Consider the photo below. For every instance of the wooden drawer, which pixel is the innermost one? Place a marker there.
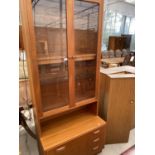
(61, 150)
(74, 147)
(95, 150)
(97, 133)
(88, 144)
(96, 141)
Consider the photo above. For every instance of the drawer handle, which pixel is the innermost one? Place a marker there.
(95, 148)
(96, 132)
(62, 148)
(96, 140)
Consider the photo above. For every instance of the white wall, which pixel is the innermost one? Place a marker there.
(124, 9)
(121, 7)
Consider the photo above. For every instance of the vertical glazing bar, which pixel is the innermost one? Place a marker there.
(71, 49)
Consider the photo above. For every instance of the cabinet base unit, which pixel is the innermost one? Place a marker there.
(78, 133)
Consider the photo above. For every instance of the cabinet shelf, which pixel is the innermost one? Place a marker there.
(52, 79)
(61, 59)
(84, 57)
(43, 60)
(54, 112)
(66, 128)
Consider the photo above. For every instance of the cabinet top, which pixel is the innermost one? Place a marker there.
(119, 72)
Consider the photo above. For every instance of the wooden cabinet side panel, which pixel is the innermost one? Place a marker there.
(103, 100)
(100, 22)
(31, 61)
(102, 91)
(106, 98)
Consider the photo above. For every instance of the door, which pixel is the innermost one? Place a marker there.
(119, 109)
(86, 17)
(49, 19)
(64, 38)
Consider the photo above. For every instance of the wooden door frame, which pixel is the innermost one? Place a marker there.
(71, 49)
(29, 44)
(94, 1)
(99, 43)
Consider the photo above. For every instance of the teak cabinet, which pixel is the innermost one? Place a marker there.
(62, 39)
(117, 102)
(117, 42)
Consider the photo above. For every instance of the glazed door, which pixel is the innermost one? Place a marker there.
(49, 18)
(65, 42)
(86, 17)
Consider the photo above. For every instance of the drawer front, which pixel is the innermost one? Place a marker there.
(97, 134)
(96, 141)
(88, 144)
(74, 147)
(60, 150)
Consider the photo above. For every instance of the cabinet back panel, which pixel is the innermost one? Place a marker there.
(54, 85)
(50, 28)
(85, 27)
(85, 75)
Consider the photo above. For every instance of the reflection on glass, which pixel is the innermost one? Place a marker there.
(85, 75)
(50, 34)
(132, 26)
(54, 85)
(127, 24)
(50, 28)
(86, 27)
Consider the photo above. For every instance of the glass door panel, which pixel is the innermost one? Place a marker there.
(50, 34)
(86, 27)
(50, 28)
(54, 85)
(86, 38)
(85, 75)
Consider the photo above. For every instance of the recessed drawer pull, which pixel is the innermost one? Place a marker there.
(96, 140)
(95, 148)
(96, 132)
(62, 148)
